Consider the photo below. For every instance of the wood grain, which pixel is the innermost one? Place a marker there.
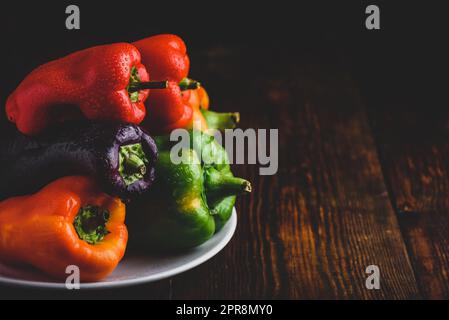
(414, 148)
(310, 231)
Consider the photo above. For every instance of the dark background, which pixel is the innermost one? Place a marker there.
(402, 60)
(362, 118)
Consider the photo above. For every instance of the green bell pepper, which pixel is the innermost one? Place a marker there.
(189, 201)
(221, 120)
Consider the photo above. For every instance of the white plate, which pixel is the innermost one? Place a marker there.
(133, 269)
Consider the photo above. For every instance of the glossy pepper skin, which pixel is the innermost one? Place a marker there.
(92, 83)
(192, 99)
(167, 110)
(119, 156)
(171, 109)
(193, 201)
(39, 230)
(167, 56)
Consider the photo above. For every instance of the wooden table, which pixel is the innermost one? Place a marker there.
(361, 182)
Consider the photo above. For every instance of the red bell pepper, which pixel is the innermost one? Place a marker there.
(184, 103)
(106, 82)
(167, 56)
(167, 110)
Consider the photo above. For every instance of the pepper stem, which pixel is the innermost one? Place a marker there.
(189, 84)
(132, 163)
(222, 185)
(221, 120)
(135, 164)
(134, 87)
(185, 84)
(90, 224)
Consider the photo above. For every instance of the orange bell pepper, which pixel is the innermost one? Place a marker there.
(198, 121)
(203, 119)
(196, 98)
(69, 222)
(203, 98)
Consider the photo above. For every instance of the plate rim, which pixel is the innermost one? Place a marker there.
(131, 282)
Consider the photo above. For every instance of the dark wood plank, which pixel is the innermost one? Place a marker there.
(414, 148)
(311, 230)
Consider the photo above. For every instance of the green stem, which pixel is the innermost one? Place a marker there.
(189, 84)
(221, 120)
(135, 164)
(222, 185)
(186, 84)
(132, 163)
(135, 87)
(90, 224)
